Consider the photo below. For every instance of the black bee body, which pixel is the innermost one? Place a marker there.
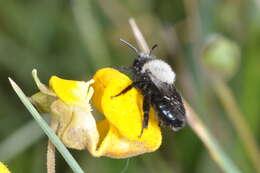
(155, 80)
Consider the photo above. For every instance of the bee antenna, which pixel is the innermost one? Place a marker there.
(129, 45)
(154, 46)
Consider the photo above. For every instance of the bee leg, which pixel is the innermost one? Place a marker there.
(146, 110)
(161, 123)
(124, 90)
(134, 84)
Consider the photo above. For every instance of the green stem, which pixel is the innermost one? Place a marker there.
(237, 119)
(216, 152)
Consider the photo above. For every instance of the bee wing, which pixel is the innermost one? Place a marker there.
(175, 98)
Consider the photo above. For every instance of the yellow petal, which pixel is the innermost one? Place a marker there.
(3, 168)
(114, 145)
(124, 115)
(71, 92)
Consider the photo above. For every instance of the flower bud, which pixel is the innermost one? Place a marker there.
(221, 56)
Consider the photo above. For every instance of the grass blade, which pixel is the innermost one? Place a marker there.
(239, 122)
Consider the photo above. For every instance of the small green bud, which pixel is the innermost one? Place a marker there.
(221, 56)
(43, 101)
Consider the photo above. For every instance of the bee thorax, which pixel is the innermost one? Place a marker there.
(159, 70)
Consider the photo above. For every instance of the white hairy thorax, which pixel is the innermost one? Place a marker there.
(159, 71)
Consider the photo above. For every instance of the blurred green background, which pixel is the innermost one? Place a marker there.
(73, 39)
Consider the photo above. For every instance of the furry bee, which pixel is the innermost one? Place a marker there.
(155, 79)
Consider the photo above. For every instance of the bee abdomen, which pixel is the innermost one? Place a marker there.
(169, 116)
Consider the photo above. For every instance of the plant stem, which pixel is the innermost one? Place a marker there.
(51, 149)
(139, 36)
(236, 117)
(216, 152)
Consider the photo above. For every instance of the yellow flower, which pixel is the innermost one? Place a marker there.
(123, 116)
(68, 102)
(116, 136)
(3, 168)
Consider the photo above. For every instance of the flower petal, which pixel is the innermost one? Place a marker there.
(114, 145)
(3, 168)
(71, 92)
(124, 115)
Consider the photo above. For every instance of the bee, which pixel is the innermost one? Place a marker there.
(155, 79)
